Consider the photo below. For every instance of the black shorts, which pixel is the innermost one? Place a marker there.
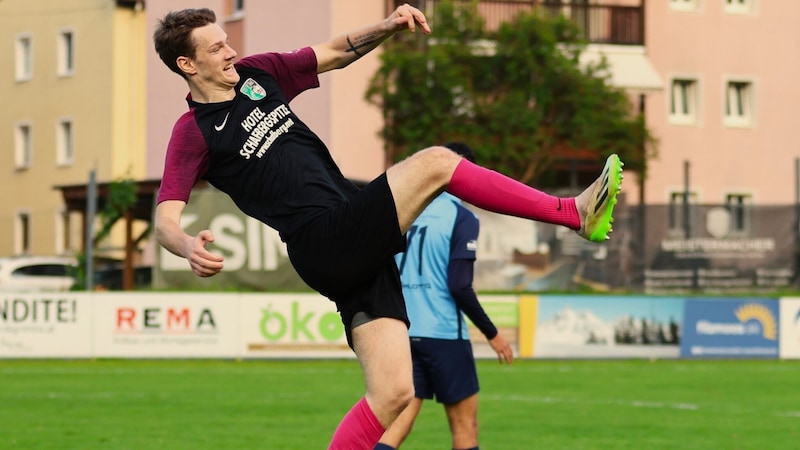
(347, 255)
(443, 368)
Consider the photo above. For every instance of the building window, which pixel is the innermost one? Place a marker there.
(739, 104)
(23, 57)
(738, 205)
(679, 214)
(738, 6)
(684, 102)
(65, 144)
(235, 9)
(684, 5)
(66, 53)
(23, 146)
(22, 233)
(63, 232)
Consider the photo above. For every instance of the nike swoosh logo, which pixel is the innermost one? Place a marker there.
(220, 127)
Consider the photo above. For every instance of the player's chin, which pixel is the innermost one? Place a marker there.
(231, 76)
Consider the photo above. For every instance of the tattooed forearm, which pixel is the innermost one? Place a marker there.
(352, 48)
(362, 43)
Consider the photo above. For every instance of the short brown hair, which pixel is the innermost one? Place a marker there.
(173, 35)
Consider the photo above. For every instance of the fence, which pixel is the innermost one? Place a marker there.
(304, 325)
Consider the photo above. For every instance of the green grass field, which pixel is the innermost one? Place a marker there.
(297, 404)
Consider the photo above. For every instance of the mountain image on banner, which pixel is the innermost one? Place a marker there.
(570, 327)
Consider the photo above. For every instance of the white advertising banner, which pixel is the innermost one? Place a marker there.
(291, 326)
(45, 325)
(181, 325)
(789, 328)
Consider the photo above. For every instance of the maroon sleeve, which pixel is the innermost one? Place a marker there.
(295, 71)
(186, 160)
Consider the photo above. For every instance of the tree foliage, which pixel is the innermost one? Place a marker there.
(121, 198)
(518, 95)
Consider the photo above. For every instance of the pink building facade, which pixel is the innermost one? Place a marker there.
(730, 71)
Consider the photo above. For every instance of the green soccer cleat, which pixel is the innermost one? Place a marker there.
(596, 203)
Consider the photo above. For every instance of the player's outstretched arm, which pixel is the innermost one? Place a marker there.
(343, 50)
(170, 235)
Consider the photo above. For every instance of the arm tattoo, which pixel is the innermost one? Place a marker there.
(352, 49)
(366, 40)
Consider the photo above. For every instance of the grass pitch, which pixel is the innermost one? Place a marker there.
(210, 404)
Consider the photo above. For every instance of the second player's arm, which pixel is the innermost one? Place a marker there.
(459, 281)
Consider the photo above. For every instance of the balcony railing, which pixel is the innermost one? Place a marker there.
(601, 23)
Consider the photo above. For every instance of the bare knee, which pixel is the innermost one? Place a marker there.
(440, 159)
(418, 179)
(394, 398)
(433, 164)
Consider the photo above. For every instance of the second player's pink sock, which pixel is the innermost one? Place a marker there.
(358, 430)
(498, 193)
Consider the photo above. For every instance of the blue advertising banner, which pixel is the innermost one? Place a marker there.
(745, 328)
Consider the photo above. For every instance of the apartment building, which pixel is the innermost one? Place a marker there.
(73, 90)
(730, 70)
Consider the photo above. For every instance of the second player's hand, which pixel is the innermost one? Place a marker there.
(203, 263)
(504, 352)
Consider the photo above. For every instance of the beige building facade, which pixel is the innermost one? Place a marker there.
(73, 90)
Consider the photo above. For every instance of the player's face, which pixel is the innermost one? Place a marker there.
(214, 58)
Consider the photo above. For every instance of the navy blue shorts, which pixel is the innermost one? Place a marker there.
(347, 255)
(444, 369)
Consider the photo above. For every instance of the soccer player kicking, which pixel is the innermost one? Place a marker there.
(242, 137)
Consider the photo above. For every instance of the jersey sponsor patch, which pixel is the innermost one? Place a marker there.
(253, 90)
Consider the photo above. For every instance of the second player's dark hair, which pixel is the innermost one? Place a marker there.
(462, 149)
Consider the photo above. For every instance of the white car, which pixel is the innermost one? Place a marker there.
(37, 273)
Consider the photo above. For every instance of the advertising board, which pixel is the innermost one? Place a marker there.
(184, 325)
(36, 325)
(790, 328)
(730, 328)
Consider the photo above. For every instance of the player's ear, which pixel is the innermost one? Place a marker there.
(186, 65)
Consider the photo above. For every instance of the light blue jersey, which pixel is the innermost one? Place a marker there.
(445, 231)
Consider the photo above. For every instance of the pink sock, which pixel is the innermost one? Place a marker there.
(358, 430)
(498, 193)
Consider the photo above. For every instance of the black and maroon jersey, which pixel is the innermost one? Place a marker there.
(255, 149)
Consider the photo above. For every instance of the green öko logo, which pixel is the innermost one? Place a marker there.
(299, 326)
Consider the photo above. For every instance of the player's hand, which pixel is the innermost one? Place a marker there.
(504, 352)
(407, 16)
(203, 263)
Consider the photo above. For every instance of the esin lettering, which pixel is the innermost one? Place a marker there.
(246, 242)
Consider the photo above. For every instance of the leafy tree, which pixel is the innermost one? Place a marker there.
(121, 198)
(517, 95)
